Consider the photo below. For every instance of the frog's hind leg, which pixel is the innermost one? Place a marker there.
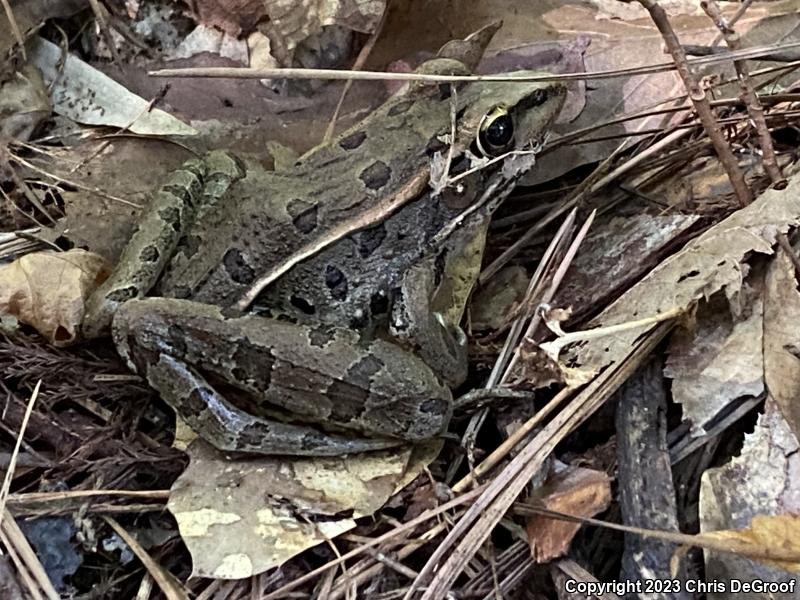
(313, 374)
(232, 429)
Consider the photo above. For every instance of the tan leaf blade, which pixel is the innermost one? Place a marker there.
(47, 290)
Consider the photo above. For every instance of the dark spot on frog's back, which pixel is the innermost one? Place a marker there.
(362, 372)
(306, 221)
(370, 239)
(379, 303)
(376, 175)
(400, 108)
(336, 282)
(237, 268)
(302, 304)
(189, 245)
(353, 141)
(303, 214)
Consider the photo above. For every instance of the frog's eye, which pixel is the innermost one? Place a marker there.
(495, 132)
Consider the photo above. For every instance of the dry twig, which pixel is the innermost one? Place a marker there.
(748, 94)
(700, 100)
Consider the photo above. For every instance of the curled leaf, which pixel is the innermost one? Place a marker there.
(47, 290)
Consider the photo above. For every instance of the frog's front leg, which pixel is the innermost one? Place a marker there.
(431, 301)
(442, 346)
(317, 375)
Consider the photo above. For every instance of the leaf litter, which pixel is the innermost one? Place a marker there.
(667, 257)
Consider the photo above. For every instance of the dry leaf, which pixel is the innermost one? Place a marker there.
(761, 481)
(241, 517)
(781, 532)
(291, 22)
(573, 491)
(623, 249)
(629, 11)
(211, 40)
(782, 338)
(24, 104)
(231, 16)
(108, 102)
(617, 44)
(130, 169)
(721, 360)
(47, 290)
(713, 262)
(260, 53)
(29, 15)
(491, 304)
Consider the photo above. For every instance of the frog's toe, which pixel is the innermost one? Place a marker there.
(457, 335)
(452, 362)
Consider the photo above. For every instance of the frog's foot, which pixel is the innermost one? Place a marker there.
(311, 375)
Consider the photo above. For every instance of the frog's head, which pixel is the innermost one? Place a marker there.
(497, 117)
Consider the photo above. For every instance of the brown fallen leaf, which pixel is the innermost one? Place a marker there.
(24, 104)
(574, 491)
(28, 16)
(128, 170)
(292, 22)
(623, 249)
(782, 338)
(47, 290)
(618, 43)
(720, 360)
(492, 303)
(757, 489)
(711, 263)
(234, 17)
(109, 103)
(766, 532)
(241, 517)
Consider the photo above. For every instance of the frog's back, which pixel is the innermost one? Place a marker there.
(354, 174)
(354, 282)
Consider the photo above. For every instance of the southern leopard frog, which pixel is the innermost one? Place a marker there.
(357, 336)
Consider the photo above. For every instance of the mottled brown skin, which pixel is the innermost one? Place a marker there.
(349, 343)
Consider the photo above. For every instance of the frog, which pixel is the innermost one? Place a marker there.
(318, 314)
